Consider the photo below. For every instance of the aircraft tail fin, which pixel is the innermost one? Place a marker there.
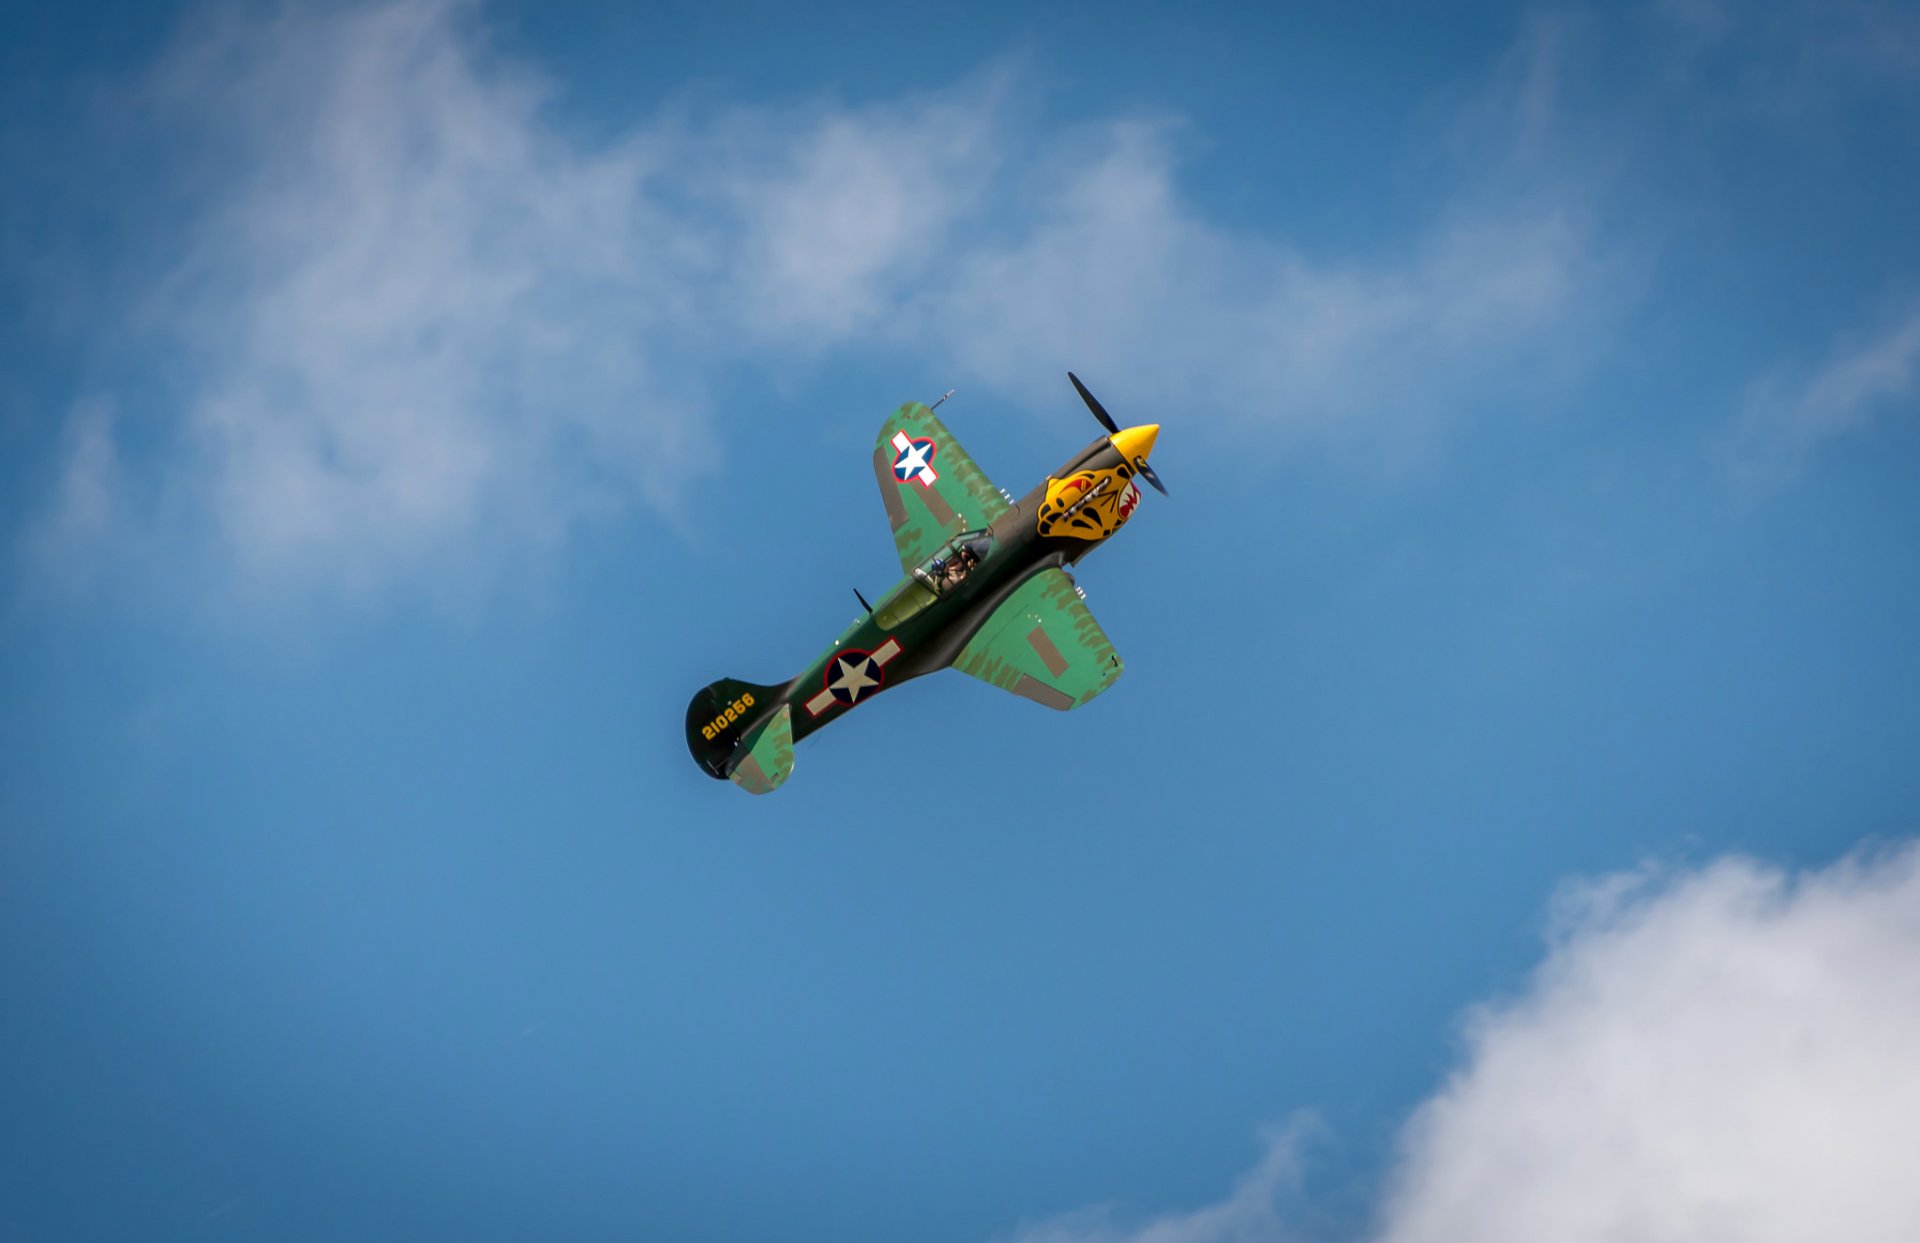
(742, 731)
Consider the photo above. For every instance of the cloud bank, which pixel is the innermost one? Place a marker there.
(1731, 1053)
(416, 317)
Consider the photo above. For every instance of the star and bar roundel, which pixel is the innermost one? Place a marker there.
(913, 459)
(853, 675)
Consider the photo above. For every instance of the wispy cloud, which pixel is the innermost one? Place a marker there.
(1787, 418)
(416, 319)
(1794, 61)
(1724, 1053)
(1255, 1211)
(1117, 269)
(85, 497)
(836, 221)
(419, 314)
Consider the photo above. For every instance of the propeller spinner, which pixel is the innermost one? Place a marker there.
(1113, 430)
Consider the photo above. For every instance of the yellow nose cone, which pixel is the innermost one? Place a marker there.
(1136, 443)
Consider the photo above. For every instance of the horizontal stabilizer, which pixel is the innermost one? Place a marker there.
(765, 758)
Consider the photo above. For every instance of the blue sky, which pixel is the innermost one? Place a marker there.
(407, 406)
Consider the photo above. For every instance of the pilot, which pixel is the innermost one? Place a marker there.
(964, 563)
(959, 566)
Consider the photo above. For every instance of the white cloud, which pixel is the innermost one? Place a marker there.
(840, 221)
(87, 483)
(1119, 274)
(418, 320)
(1731, 1053)
(85, 500)
(419, 314)
(1787, 419)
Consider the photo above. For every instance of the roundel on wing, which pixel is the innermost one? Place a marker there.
(913, 458)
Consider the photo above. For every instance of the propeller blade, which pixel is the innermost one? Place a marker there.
(1093, 404)
(1113, 429)
(1146, 473)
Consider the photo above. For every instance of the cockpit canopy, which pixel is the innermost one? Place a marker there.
(939, 574)
(957, 558)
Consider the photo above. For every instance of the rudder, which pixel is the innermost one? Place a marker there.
(722, 716)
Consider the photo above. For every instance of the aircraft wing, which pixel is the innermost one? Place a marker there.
(931, 488)
(1043, 644)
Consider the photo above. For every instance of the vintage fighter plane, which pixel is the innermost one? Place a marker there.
(986, 591)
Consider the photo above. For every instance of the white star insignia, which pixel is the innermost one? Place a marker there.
(853, 678)
(914, 460)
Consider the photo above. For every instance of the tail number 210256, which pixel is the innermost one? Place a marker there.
(718, 725)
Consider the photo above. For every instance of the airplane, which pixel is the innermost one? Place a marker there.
(985, 591)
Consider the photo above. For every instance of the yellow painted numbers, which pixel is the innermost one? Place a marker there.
(718, 725)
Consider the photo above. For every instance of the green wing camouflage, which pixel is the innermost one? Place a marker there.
(1043, 644)
(931, 488)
